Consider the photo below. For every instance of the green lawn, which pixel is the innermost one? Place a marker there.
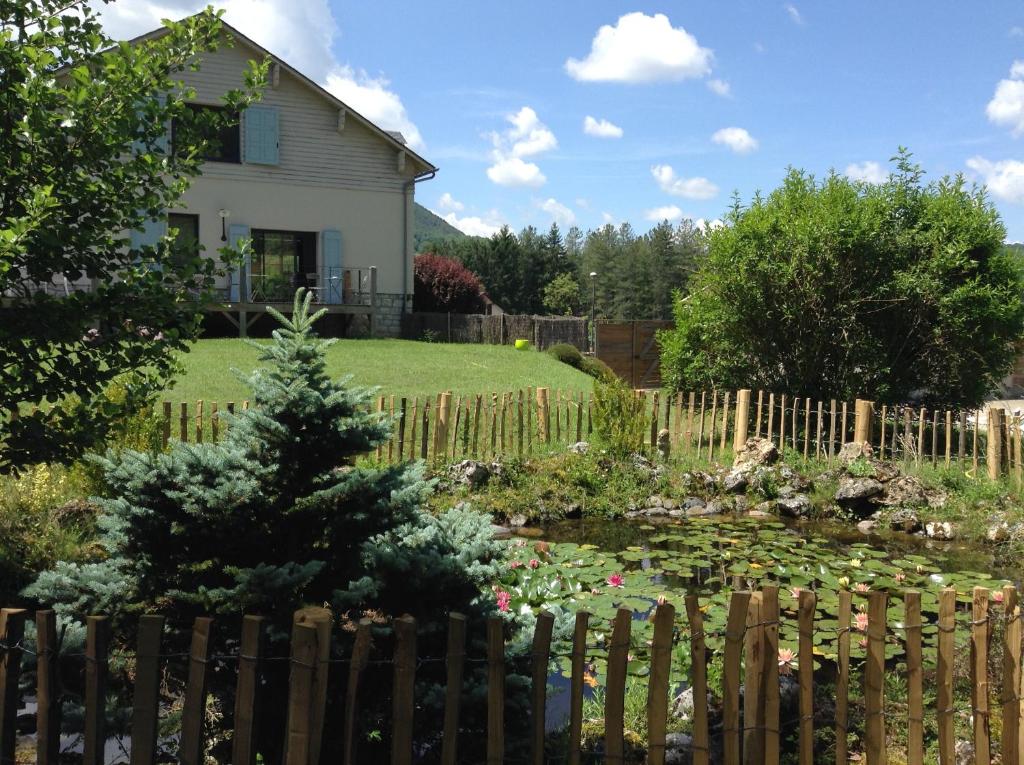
(400, 367)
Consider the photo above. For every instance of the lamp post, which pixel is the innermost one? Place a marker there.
(593, 312)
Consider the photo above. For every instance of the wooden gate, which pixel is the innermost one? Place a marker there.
(631, 349)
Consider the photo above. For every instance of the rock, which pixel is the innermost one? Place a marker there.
(858, 494)
(736, 480)
(940, 530)
(469, 473)
(573, 511)
(528, 531)
(998, 532)
(654, 511)
(768, 507)
(517, 520)
(664, 443)
(500, 532)
(677, 513)
(739, 504)
(854, 451)
(885, 471)
(905, 520)
(756, 452)
(715, 507)
(692, 502)
(668, 503)
(867, 527)
(654, 501)
(580, 447)
(678, 749)
(963, 751)
(905, 490)
(797, 506)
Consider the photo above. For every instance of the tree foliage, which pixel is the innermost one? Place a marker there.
(84, 160)
(636, 274)
(838, 288)
(445, 285)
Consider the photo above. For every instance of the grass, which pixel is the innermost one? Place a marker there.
(400, 367)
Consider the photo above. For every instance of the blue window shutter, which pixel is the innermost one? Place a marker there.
(261, 135)
(236, 233)
(330, 246)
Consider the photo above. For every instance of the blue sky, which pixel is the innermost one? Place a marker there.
(703, 99)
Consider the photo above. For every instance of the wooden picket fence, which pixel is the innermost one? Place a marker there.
(751, 730)
(706, 424)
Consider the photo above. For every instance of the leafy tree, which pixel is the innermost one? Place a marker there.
(445, 285)
(85, 160)
(277, 515)
(839, 288)
(562, 295)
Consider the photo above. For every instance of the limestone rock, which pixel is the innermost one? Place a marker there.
(905, 520)
(736, 480)
(757, 452)
(858, 494)
(867, 526)
(854, 450)
(796, 506)
(940, 530)
(580, 447)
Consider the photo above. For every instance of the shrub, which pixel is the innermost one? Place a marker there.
(445, 285)
(618, 417)
(567, 354)
(597, 369)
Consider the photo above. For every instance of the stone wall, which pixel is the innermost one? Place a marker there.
(388, 321)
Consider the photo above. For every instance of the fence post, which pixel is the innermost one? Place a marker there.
(980, 635)
(243, 742)
(657, 687)
(321, 619)
(193, 712)
(994, 448)
(615, 699)
(146, 701)
(736, 624)
(739, 438)
(47, 690)
(495, 690)
(12, 628)
(862, 421)
(578, 663)
(455, 662)
(402, 691)
(1011, 676)
(874, 680)
(539, 685)
(298, 739)
(97, 641)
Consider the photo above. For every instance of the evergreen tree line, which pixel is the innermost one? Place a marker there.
(535, 273)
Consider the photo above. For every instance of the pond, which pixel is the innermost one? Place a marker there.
(600, 566)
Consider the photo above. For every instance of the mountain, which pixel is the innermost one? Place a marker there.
(428, 227)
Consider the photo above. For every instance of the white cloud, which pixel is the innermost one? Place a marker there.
(659, 214)
(708, 225)
(448, 202)
(1007, 105)
(300, 32)
(559, 213)
(868, 172)
(736, 138)
(512, 171)
(691, 188)
(607, 218)
(641, 48)
(1005, 178)
(527, 137)
(794, 13)
(474, 225)
(601, 128)
(720, 88)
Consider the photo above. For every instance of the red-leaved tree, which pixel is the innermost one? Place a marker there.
(445, 285)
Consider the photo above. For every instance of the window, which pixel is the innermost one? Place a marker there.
(281, 262)
(223, 143)
(186, 235)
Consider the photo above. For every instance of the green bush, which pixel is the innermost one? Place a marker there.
(597, 369)
(567, 354)
(618, 417)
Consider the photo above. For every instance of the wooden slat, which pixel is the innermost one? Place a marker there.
(935, 437)
(403, 699)
(243, 743)
(874, 681)
(700, 424)
(831, 430)
(391, 438)
(881, 440)
(415, 420)
(714, 420)
(770, 676)
(190, 751)
(979, 674)
(843, 676)
(402, 419)
(495, 690)
(214, 422)
(455, 663)
(757, 417)
(842, 425)
(819, 429)
(725, 425)
(425, 430)
(805, 616)
(807, 428)
(97, 646)
(944, 672)
(615, 686)
(782, 423)
(949, 437)
(183, 423)
(519, 424)
(753, 685)
(299, 734)
(165, 429)
(578, 668)
(771, 417)
(793, 424)
(920, 435)
(146, 701)
(360, 654)
(1011, 676)
(539, 683)
(322, 619)
(199, 421)
(12, 630)
(915, 677)
(739, 602)
(691, 402)
(48, 706)
(699, 681)
(657, 685)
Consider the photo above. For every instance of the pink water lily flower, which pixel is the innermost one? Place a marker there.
(786, 661)
(616, 580)
(515, 564)
(504, 599)
(794, 592)
(534, 563)
(900, 576)
(862, 587)
(860, 622)
(997, 596)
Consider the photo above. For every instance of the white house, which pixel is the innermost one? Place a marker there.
(324, 195)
